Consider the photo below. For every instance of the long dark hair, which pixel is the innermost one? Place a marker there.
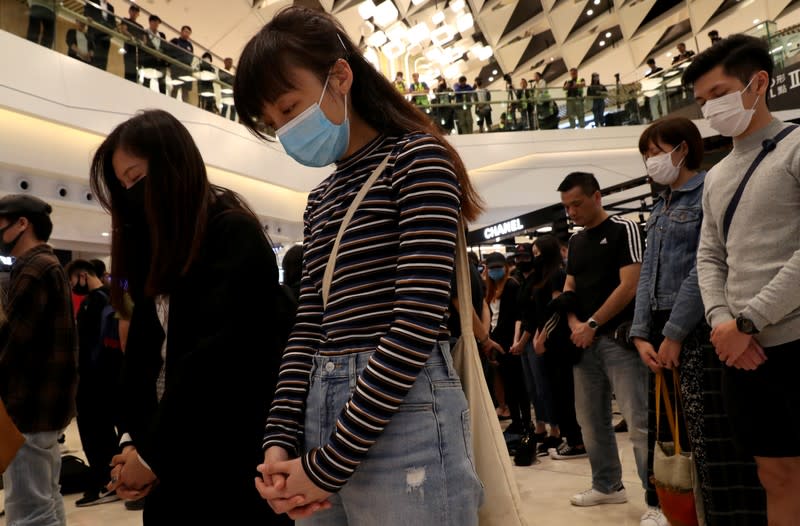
(550, 254)
(151, 248)
(301, 37)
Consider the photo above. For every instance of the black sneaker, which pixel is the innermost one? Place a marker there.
(621, 427)
(135, 505)
(91, 498)
(548, 444)
(567, 452)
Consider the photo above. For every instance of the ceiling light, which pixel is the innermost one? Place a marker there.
(418, 33)
(121, 51)
(377, 39)
(464, 22)
(393, 49)
(485, 53)
(438, 17)
(551, 59)
(174, 82)
(206, 93)
(187, 78)
(756, 20)
(669, 53)
(608, 34)
(434, 54)
(457, 5)
(417, 2)
(367, 28)
(590, 12)
(105, 234)
(602, 43)
(442, 35)
(385, 14)
(397, 32)
(596, 2)
(366, 9)
(494, 72)
(491, 79)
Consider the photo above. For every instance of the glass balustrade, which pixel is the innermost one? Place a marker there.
(139, 52)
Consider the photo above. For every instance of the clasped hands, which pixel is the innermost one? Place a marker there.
(286, 487)
(130, 478)
(735, 348)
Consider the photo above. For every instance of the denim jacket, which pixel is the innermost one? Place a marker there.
(668, 280)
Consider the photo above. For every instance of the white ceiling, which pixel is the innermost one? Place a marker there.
(526, 35)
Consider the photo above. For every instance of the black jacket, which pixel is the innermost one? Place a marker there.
(223, 354)
(509, 314)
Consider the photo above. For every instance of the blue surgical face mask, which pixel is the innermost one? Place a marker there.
(496, 274)
(312, 139)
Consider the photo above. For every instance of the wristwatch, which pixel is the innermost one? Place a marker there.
(593, 324)
(745, 325)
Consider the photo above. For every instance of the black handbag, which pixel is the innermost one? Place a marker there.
(526, 450)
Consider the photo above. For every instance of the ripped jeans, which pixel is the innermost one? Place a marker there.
(420, 471)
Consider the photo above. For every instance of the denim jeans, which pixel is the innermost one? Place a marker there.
(607, 368)
(538, 385)
(420, 470)
(31, 483)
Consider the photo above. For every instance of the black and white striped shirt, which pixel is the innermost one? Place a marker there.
(390, 293)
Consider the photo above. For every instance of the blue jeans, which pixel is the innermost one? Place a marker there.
(420, 471)
(538, 385)
(31, 483)
(607, 368)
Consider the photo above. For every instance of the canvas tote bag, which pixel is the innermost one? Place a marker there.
(502, 504)
(673, 470)
(10, 439)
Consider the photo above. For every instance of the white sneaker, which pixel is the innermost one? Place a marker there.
(653, 517)
(592, 497)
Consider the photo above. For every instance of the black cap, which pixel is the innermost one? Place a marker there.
(495, 258)
(23, 205)
(524, 249)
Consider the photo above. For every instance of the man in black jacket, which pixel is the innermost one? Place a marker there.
(100, 362)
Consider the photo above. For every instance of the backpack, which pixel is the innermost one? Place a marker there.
(75, 475)
(109, 341)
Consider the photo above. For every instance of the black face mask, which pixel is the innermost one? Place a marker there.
(525, 266)
(7, 247)
(81, 290)
(135, 198)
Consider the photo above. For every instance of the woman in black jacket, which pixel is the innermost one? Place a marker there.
(201, 359)
(502, 293)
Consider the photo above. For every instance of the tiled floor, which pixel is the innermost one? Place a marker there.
(545, 489)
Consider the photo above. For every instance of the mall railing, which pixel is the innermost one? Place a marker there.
(112, 43)
(82, 30)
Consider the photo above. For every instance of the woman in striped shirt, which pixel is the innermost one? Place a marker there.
(369, 423)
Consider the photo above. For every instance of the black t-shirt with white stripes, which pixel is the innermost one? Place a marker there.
(595, 257)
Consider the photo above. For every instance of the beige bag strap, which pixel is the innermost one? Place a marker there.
(672, 419)
(327, 278)
(463, 286)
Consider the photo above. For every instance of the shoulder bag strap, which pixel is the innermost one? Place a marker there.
(463, 286)
(767, 146)
(327, 278)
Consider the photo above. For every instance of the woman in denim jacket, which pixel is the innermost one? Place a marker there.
(668, 327)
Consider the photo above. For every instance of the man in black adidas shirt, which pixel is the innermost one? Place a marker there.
(603, 273)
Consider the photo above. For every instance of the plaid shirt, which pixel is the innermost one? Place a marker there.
(38, 345)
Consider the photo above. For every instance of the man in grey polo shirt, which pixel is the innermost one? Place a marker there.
(748, 262)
